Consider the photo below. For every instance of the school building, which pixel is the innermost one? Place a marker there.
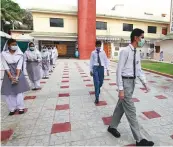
(71, 28)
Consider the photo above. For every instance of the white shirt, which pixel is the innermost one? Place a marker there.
(125, 65)
(94, 59)
(8, 58)
(32, 55)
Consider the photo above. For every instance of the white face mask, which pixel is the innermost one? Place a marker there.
(14, 48)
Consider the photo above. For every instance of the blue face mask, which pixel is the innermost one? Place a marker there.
(31, 48)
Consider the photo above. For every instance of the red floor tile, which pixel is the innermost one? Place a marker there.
(151, 114)
(25, 110)
(89, 85)
(43, 82)
(65, 81)
(164, 87)
(86, 80)
(161, 97)
(169, 80)
(62, 107)
(64, 95)
(6, 134)
(112, 84)
(135, 100)
(106, 79)
(107, 120)
(147, 73)
(84, 76)
(101, 103)
(29, 97)
(65, 74)
(64, 87)
(151, 81)
(65, 77)
(172, 136)
(61, 127)
(92, 92)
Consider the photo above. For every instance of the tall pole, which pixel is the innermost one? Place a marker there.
(171, 17)
(86, 27)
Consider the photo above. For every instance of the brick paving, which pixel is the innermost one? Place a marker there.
(63, 112)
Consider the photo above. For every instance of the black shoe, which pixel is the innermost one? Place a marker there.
(144, 142)
(96, 101)
(21, 111)
(12, 113)
(34, 89)
(114, 132)
(46, 77)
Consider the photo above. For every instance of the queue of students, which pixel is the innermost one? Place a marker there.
(38, 65)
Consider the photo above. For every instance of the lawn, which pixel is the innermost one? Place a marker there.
(158, 66)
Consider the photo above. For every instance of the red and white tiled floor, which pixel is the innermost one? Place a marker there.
(63, 112)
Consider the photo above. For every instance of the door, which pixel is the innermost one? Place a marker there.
(62, 49)
(107, 49)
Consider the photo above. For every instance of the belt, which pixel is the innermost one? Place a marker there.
(128, 77)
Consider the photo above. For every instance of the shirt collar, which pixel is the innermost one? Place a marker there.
(131, 46)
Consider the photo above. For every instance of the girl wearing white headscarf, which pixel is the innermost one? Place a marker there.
(14, 82)
(55, 54)
(33, 65)
(45, 62)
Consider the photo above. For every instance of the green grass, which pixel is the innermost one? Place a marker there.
(158, 66)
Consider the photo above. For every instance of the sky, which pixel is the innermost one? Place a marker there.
(150, 6)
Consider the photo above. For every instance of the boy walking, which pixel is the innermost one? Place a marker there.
(128, 68)
(98, 63)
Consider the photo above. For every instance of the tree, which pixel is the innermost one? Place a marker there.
(27, 19)
(12, 16)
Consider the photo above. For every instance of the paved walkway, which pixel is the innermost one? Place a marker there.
(63, 112)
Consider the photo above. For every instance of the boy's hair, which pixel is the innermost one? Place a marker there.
(10, 41)
(31, 43)
(98, 43)
(136, 32)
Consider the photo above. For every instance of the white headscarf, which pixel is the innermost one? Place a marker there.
(44, 54)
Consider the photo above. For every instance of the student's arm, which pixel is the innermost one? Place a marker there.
(106, 63)
(122, 59)
(19, 67)
(91, 62)
(39, 56)
(6, 67)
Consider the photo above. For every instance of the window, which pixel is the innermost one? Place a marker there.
(101, 25)
(56, 22)
(127, 27)
(152, 29)
(164, 31)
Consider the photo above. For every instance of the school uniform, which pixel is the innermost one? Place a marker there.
(51, 56)
(33, 67)
(54, 54)
(13, 93)
(128, 68)
(45, 63)
(98, 63)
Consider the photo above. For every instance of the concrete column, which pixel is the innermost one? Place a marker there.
(86, 27)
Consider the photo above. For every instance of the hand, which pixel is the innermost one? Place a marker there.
(107, 72)
(146, 88)
(91, 73)
(121, 94)
(17, 78)
(12, 78)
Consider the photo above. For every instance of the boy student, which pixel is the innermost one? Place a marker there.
(98, 63)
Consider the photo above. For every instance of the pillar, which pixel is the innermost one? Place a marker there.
(86, 27)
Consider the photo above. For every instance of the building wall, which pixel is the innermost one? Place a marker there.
(114, 26)
(167, 47)
(41, 23)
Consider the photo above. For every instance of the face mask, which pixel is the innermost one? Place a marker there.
(31, 48)
(14, 48)
(141, 43)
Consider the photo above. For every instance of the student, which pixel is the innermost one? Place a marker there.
(161, 56)
(51, 59)
(33, 65)
(128, 68)
(14, 82)
(54, 52)
(45, 62)
(98, 63)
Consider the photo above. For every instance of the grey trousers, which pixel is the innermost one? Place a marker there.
(127, 106)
